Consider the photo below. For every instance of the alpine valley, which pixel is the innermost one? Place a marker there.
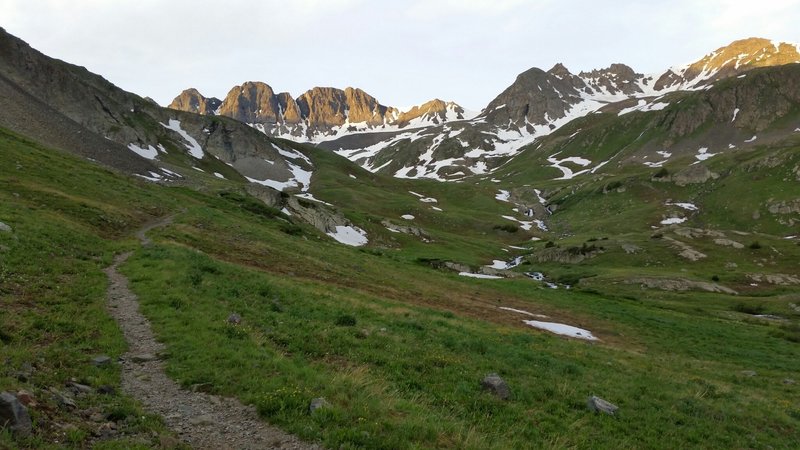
(600, 260)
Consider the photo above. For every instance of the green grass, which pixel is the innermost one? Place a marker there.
(397, 347)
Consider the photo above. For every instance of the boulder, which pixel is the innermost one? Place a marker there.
(317, 404)
(101, 360)
(234, 319)
(694, 174)
(496, 385)
(14, 415)
(5, 228)
(599, 405)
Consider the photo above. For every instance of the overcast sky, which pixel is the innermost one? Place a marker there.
(401, 52)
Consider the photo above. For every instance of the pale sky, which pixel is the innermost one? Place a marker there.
(401, 52)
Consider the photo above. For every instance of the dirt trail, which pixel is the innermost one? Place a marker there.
(201, 420)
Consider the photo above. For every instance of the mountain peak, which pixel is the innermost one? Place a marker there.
(193, 101)
(559, 70)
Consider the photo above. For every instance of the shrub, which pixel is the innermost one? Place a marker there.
(749, 309)
(507, 227)
(663, 172)
(755, 245)
(346, 320)
(715, 278)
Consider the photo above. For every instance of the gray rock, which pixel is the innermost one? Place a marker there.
(101, 360)
(496, 385)
(597, 404)
(14, 415)
(143, 357)
(788, 381)
(234, 319)
(202, 420)
(630, 248)
(78, 388)
(64, 400)
(5, 228)
(317, 404)
(749, 373)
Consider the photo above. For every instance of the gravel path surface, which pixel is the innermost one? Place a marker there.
(201, 420)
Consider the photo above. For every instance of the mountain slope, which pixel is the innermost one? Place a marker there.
(540, 102)
(55, 100)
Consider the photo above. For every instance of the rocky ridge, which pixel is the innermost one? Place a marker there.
(319, 114)
(540, 102)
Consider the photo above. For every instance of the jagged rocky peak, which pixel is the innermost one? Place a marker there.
(432, 112)
(536, 97)
(328, 107)
(193, 101)
(252, 102)
(617, 78)
(737, 57)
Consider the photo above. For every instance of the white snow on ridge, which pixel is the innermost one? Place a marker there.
(191, 144)
(349, 235)
(644, 106)
(148, 153)
(673, 220)
(568, 174)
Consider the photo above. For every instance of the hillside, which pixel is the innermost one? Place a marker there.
(646, 255)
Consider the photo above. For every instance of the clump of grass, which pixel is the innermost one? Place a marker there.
(663, 172)
(346, 320)
(749, 308)
(507, 227)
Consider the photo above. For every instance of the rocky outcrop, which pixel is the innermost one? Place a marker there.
(693, 174)
(679, 284)
(192, 101)
(434, 112)
(780, 279)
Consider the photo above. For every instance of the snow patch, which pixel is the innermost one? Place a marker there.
(522, 311)
(752, 139)
(407, 217)
(191, 144)
(219, 175)
(479, 275)
(503, 196)
(349, 235)
(673, 220)
(686, 206)
(735, 113)
(148, 153)
(562, 329)
(702, 154)
(568, 174)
